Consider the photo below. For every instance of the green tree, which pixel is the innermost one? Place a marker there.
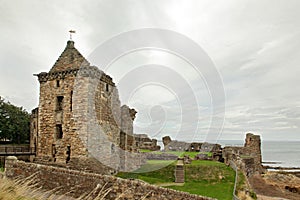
(14, 123)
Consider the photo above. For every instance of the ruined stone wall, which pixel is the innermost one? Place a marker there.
(107, 106)
(34, 128)
(162, 156)
(144, 142)
(253, 148)
(177, 146)
(97, 116)
(195, 146)
(127, 118)
(247, 158)
(231, 153)
(83, 163)
(76, 183)
(98, 120)
(154, 145)
(57, 136)
(174, 145)
(166, 140)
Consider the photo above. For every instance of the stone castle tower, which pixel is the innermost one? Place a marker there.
(248, 158)
(79, 116)
(253, 145)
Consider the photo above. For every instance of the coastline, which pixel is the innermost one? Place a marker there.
(275, 154)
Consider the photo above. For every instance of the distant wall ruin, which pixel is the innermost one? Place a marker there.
(144, 142)
(174, 145)
(247, 158)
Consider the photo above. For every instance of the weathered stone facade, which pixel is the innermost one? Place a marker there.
(174, 145)
(77, 183)
(144, 142)
(127, 137)
(34, 129)
(80, 115)
(247, 158)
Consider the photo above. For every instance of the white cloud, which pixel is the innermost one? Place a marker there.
(254, 44)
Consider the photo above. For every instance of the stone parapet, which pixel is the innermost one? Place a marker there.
(75, 183)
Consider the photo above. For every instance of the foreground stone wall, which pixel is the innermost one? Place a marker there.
(84, 164)
(75, 183)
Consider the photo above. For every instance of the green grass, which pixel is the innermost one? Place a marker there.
(164, 172)
(206, 178)
(207, 163)
(1, 169)
(209, 154)
(154, 165)
(241, 181)
(218, 191)
(145, 150)
(241, 185)
(177, 153)
(188, 153)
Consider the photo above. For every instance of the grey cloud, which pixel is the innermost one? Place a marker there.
(254, 44)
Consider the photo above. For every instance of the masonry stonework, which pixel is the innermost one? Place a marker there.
(80, 115)
(76, 183)
(247, 158)
(144, 142)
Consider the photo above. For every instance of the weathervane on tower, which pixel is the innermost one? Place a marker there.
(71, 32)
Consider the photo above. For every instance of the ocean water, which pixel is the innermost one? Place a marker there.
(280, 153)
(286, 153)
(283, 153)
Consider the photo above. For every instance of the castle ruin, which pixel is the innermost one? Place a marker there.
(80, 117)
(247, 158)
(144, 142)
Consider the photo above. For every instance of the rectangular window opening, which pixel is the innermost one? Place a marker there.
(59, 131)
(68, 153)
(57, 83)
(60, 102)
(107, 87)
(71, 100)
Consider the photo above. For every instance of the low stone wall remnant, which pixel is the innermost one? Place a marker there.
(163, 156)
(75, 183)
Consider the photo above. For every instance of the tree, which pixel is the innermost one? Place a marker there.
(14, 123)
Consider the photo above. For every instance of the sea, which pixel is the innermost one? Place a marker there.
(284, 154)
(275, 153)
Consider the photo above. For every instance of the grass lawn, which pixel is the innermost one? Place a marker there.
(145, 150)
(206, 178)
(154, 172)
(177, 153)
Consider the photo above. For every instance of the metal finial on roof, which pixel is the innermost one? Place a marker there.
(71, 31)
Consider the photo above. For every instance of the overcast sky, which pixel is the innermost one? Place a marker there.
(254, 45)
